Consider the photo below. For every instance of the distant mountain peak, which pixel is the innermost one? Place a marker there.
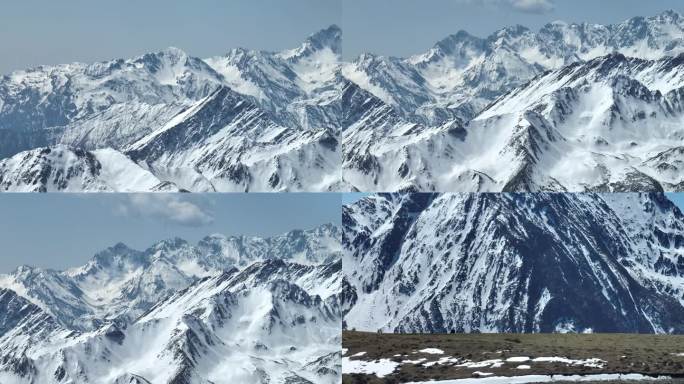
(173, 53)
(670, 14)
(170, 243)
(327, 38)
(330, 37)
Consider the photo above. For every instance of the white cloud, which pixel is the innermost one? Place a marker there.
(170, 207)
(532, 6)
(526, 6)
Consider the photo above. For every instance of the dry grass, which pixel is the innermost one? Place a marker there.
(624, 353)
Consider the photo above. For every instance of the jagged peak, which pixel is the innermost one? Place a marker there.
(327, 38)
(169, 244)
(326, 227)
(25, 270)
(119, 248)
(331, 35)
(22, 269)
(512, 31)
(669, 15)
(459, 37)
(174, 53)
(119, 251)
(214, 236)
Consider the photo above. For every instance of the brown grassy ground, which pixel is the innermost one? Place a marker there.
(644, 354)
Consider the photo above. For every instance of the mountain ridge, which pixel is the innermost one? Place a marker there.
(437, 123)
(513, 263)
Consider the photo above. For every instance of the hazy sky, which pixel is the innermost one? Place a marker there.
(35, 32)
(677, 198)
(64, 230)
(406, 27)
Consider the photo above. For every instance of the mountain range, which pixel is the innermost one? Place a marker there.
(569, 107)
(245, 121)
(224, 310)
(508, 263)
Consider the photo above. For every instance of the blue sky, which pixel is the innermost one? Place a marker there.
(677, 198)
(35, 32)
(406, 27)
(349, 198)
(64, 230)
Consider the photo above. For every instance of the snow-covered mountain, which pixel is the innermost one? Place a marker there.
(574, 107)
(227, 309)
(120, 283)
(514, 263)
(246, 121)
(257, 325)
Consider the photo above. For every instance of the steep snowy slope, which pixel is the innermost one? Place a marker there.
(257, 326)
(227, 141)
(246, 121)
(120, 283)
(36, 104)
(514, 263)
(487, 115)
(295, 85)
(385, 152)
(610, 124)
(63, 169)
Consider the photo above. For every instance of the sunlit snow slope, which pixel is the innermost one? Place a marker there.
(571, 107)
(245, 121)
(226, 310)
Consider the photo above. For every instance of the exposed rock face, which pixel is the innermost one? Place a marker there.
(514, 263)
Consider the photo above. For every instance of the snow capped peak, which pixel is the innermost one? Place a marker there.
(458, 40)
(24, 270)
(401, 141)
(284, 111)
(170, 244)
(329, 38)
(275, 319)
(120, 282)
(170, 55)
(512, 31)
(670, 15)
(173, 52)
(118, 253)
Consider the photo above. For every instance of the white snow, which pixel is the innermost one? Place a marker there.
(432, 351)
(517, 359)
(379, 368)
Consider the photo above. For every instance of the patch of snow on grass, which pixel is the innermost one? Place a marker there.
(518, 359)
(379, 368)
(432, 351)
